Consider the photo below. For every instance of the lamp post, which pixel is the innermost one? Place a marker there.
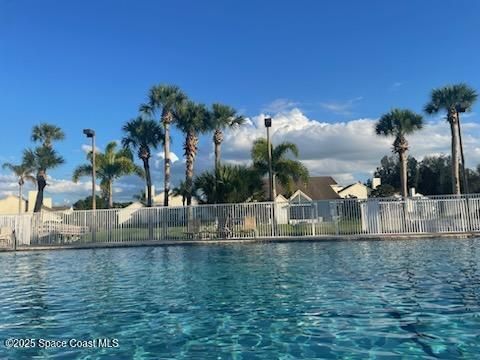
(268, 125)
(91, 134)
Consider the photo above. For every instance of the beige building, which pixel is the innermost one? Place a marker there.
(353, 191)
(10, 205)
(32, 196)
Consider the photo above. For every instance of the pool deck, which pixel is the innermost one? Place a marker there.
(461, 235)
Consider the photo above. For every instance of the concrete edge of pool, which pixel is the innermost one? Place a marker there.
(462, 235)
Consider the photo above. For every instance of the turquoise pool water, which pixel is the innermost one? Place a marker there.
(349, 299)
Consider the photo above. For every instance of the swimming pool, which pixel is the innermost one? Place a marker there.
(419, 298)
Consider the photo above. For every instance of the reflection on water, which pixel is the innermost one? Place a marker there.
(356, 299)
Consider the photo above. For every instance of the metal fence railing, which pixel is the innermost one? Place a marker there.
(345, 217)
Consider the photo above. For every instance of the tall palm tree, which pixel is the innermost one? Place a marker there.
(285, 169)
(23, 172)
(110, 165)
(42, 159)
(47, 133)
(143, 135)
(193, 119)
(399, 123)
(165, 100)
(223, 117)
(453, 99)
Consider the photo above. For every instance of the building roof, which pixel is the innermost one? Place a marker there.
(350, 186)
(317, 188)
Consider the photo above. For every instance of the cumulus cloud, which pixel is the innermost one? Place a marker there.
(350, 150)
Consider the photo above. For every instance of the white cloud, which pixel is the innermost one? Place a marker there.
(161, 155)
(341, 107)
(88, 148)
(279, 105)
(350, 150)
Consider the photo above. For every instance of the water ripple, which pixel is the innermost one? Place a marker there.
(364, 299)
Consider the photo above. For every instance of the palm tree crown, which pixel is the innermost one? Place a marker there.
(165, 101)
(229, 184)
(23, 172)
(458, 98)
(192, 120)
(142, 135)
(222, 117)
(42, 159)
(399, 123)
(454, 99)
(110, 165)
(47, 133)
(285, 170)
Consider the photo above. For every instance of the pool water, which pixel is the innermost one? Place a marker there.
(330, 299)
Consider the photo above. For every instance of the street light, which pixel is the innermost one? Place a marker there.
(461, 108)
(89, 133)
(268, 125)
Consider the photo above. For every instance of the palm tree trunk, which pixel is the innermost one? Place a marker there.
(403, 172)
(20, 191)
(148, 179)
(453, 120)
(274, 187)
(110, 194)
(191, 143)
(41, 183)
(20, 196)
(217, 140)
(166, 148)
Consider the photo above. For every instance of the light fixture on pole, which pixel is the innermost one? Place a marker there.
(89, 133)
(268, 125)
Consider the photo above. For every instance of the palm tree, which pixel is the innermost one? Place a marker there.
(223, 117)
(110, 165)
(165, 100)
(143, 135)
(23, 172)
(181, 190)
(42, 159)
(193, 119)
(47, 133)
(399, 123)
(229, 184)
(453, 99)
(285, 169)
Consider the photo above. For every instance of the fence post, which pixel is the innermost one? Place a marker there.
(14, 233)
(272, 217)
(314, 218)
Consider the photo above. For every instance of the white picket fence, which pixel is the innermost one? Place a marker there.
(346, 217)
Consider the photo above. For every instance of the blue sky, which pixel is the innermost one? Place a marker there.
(90, 63)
